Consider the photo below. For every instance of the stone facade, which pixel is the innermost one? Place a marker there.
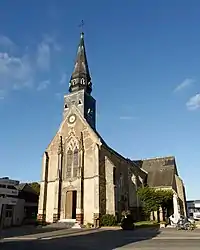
(104, 183)
(181, 194)
(55, 183)
(163, 174)
(82, 177)
(119, 181)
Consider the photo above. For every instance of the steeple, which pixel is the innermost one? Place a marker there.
(80, 88)
(80, 78)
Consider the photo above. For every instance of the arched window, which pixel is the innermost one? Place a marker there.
(75, 163)
(69, 163)
(82, 81)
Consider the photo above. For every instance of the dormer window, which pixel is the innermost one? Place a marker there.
(73, 82)
(89, 111)
(82, 81)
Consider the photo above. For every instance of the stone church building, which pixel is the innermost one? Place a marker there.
(82, 177)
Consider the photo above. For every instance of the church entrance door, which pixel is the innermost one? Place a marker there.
(70, 205)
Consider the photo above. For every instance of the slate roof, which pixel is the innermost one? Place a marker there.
(25, 187)
(161, 171)
(161, 177)
(20, 186)
(81, 70)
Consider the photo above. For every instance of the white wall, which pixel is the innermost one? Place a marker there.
(110, 194)
(88, 200)
(50, 201)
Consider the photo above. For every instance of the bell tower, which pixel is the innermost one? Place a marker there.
(80, 87)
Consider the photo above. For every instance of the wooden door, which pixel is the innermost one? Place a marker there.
(68, 205)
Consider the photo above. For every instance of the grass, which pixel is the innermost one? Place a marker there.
(141, 224)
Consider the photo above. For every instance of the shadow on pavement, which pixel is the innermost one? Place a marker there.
(100, 239)
(25, 230)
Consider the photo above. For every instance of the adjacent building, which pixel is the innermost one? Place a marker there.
(193, 208)
(18, 203)
(8, 201)
(162, 173)
(82, 177)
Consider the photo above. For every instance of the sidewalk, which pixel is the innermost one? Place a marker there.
(31, 233)
(24, 231)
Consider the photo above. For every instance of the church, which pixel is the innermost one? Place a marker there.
(82, 177)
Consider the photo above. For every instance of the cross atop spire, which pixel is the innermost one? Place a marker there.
(80, 78)
(81, 25)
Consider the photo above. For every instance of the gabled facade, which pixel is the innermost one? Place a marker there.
(82, 177)
(163, 174)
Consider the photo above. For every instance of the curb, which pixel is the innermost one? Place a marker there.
(177, 238)
(17, 239)
(26, 238)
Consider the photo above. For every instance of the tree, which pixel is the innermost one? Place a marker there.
(153, 199)
(164, 197)
(147, 196)
(35, 186)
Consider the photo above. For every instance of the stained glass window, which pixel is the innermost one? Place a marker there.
(69, 163)
(75, 163)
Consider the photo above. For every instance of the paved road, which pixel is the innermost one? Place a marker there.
(164, 245)
(107, 239)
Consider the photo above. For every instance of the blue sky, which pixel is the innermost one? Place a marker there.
(144, 58)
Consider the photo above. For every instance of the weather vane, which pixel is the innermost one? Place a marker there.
(81, 25)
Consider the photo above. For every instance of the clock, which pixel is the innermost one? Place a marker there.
(72, 118)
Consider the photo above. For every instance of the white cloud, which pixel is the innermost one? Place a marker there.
(186, 83)
(43, 85)
(63, 79)
(43, 56)
(51, 40)
(15, 72)
(24, 70)
(194, 102)
(5, 41)
(44, 52)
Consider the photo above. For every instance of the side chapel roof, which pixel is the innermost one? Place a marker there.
(160, 171)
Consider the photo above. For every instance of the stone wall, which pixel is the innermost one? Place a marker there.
(181, 195)
(86, 183)
(119, 194)
(18, 213)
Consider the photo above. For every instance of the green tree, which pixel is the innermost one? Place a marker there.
(148, 197)
(153, 199)
(164, 197)
(35, 186)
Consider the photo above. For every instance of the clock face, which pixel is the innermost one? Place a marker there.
(72, 118)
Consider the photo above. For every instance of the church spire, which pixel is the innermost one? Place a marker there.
(80, 78)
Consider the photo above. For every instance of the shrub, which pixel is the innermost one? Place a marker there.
(108, 220)
(89, 225)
